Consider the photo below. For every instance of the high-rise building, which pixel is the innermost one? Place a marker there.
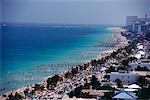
(130, 20)
(138, 25)
(145, 16)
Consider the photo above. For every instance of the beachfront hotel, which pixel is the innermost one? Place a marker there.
(137, 25)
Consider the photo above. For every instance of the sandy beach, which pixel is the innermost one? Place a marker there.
(121, 41)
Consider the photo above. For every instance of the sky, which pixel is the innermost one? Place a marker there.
(72, 11)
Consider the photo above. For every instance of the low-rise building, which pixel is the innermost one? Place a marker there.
(141, 62)
(124, 76)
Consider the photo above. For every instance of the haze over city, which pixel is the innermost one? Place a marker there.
(72, 12)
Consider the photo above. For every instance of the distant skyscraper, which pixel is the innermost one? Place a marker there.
(145, 16)
(130, 20)
(137, 25)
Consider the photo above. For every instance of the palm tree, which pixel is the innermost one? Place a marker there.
(53, 80)
(119, 83)
(142, 82)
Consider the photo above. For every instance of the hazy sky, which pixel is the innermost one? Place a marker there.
(73, 11)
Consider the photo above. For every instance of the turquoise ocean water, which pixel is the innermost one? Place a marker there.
(31, 52)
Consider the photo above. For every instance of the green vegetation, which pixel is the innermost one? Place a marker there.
(94, 62)
(38, 87)
(125, 63)
(131, 46)
(68, 75)
(141, 68)
(74, 71)
(142, 82)
(76, 92)
(122, 68)
(99, 61)
(17, 96)
(144, 94)
(110, 69)
(119, 83)
(147, 36)
(86, 66)
(53, 80)
(94, 83)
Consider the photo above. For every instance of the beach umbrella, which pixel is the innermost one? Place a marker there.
(141, 52)
(140, 46)
(130, 90)
(138, 56)
(134, 86)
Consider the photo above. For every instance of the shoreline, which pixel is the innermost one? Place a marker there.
(118, 37)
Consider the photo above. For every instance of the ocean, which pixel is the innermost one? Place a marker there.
(31, 52)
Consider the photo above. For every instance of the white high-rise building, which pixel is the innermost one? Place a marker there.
(130, 21)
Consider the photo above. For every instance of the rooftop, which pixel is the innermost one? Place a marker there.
(125, 95)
